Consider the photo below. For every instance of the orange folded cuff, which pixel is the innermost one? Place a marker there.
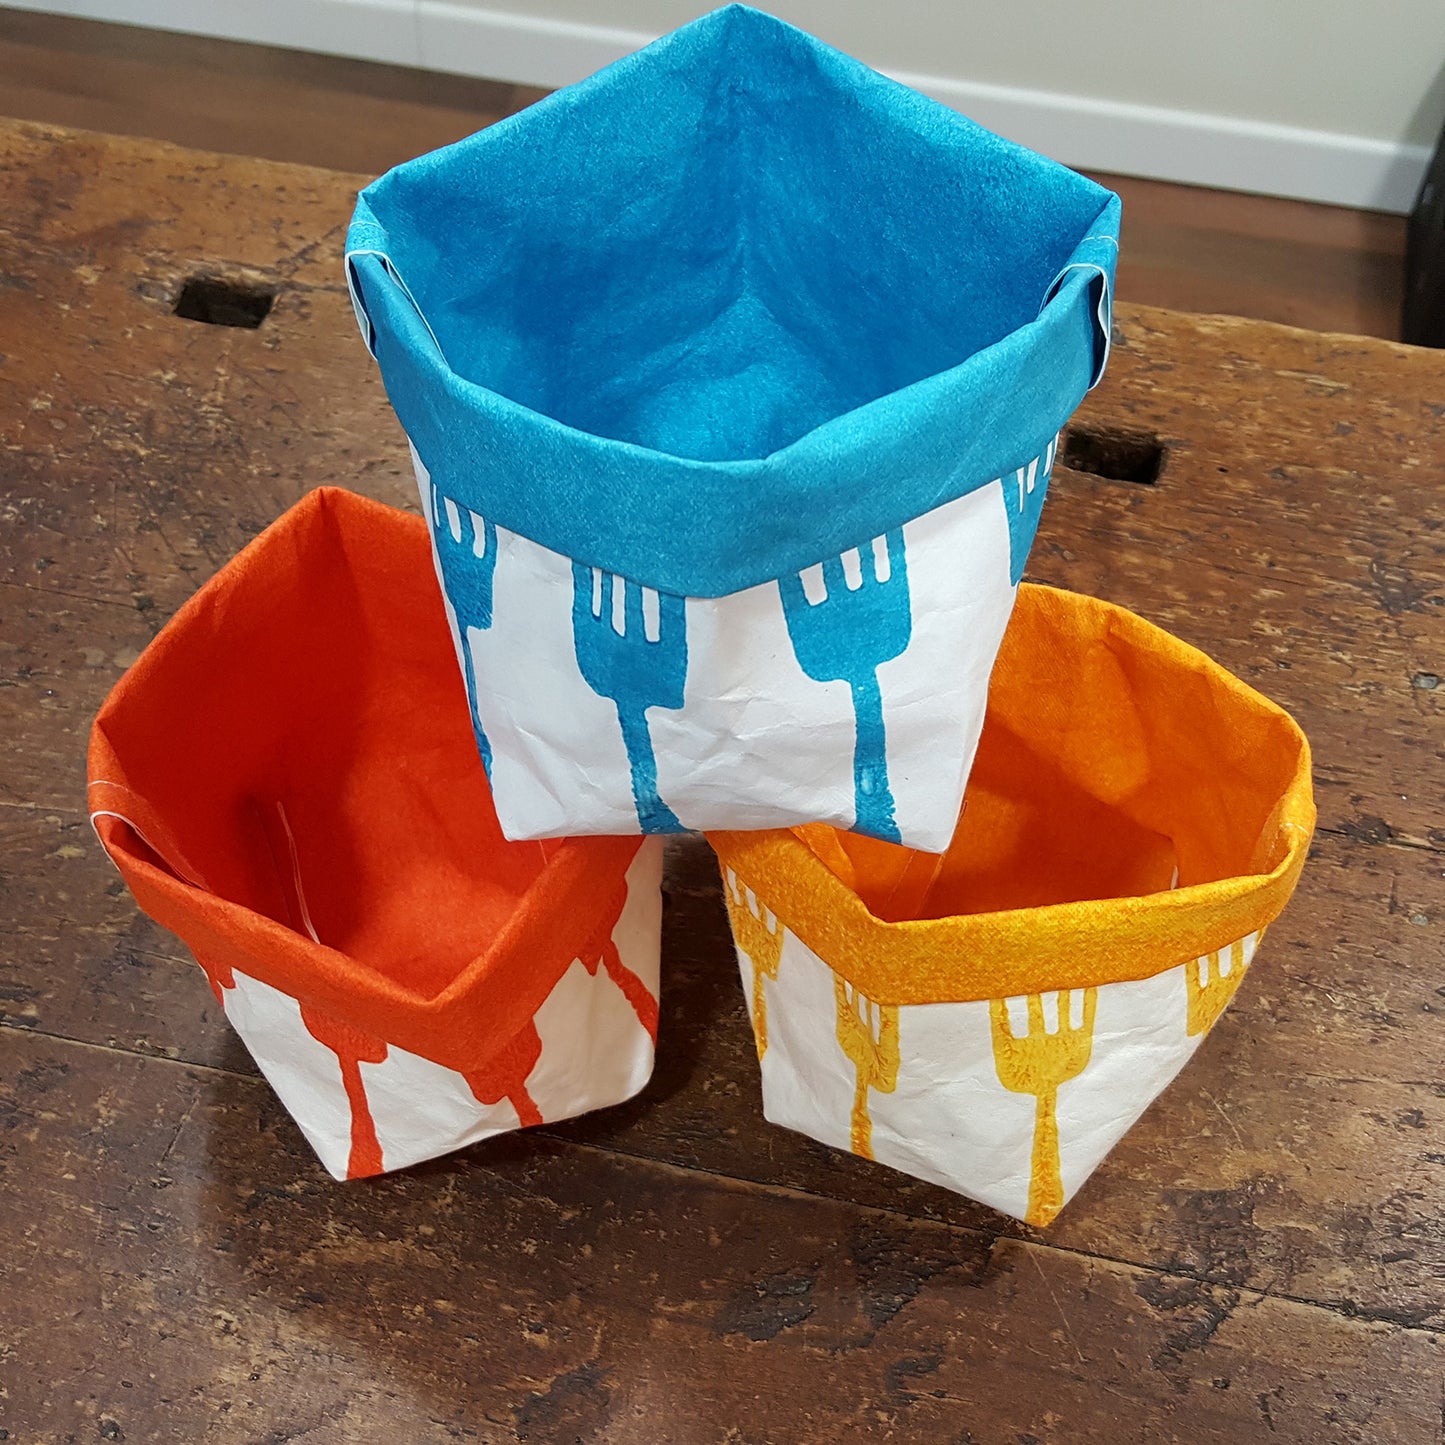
(284, 781)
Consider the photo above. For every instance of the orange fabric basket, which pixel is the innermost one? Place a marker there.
(287, 779)
(995, 1017)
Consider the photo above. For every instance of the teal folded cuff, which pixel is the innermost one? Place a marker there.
(730, 306)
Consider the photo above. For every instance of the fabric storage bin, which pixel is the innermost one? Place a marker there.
(733, 378)
(287, 781)
(994, 1019)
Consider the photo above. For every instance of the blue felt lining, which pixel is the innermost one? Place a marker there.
(731, 305)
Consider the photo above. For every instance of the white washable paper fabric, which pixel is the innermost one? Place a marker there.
(949, 1117)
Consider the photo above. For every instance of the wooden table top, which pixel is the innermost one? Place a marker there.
(1263, 1258)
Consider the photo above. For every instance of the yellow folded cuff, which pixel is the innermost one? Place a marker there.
(1132, 806)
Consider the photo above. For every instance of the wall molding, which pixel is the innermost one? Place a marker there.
(1194, 148)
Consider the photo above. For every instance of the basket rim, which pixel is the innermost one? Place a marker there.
(1013, 952)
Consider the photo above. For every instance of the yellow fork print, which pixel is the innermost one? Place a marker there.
(868, 1036)
(760, 936)
(1037, 1063)
(1210, 988)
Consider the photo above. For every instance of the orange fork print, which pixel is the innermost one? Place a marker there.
(219, 975)
(868, 1036)
(602, 952)
(504, 1075)
(760, 936)
(1037, 1063)
(352, 1048)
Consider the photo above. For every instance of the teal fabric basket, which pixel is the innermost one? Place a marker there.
(734, 311)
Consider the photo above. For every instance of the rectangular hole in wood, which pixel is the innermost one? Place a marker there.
(1115, 453)
(218, 301)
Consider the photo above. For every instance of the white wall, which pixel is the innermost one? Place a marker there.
(1337, 100)
(1353, 66)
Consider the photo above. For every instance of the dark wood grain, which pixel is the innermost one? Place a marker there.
(1189, 248)
(1294, 532)
(212, 1286)
(1261, 1258)
(1325, 267)
(1315, 1114)
(254, 100)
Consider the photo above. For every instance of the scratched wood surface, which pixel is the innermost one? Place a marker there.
(1262, 1258)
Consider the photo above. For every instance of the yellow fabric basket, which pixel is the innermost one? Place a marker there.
(994, 1018)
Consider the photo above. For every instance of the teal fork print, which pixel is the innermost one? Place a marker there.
(468, 585)
(1023, 500)
(858, 618)
(631, 646)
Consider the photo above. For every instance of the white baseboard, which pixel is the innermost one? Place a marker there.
(1103, 135)
(1192, 147)
(524, 49)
